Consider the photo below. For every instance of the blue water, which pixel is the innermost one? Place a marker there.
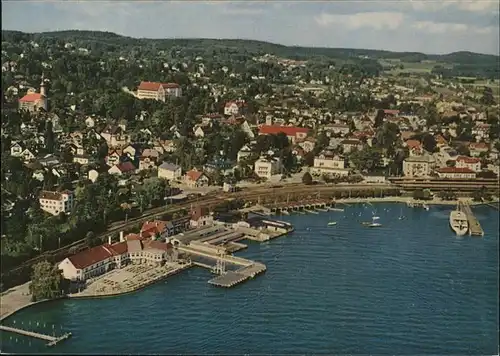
(409, 287)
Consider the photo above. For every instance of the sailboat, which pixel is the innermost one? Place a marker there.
(374, 223)
(401, 216)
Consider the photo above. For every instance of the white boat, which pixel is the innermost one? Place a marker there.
(374, 223)
(336, 209)
(332, 223)
(401, 216)
(458, 222)
(426, 207)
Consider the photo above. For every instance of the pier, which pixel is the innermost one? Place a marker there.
(475, 228)
(51, 340)
(232, 278)
(304, 206)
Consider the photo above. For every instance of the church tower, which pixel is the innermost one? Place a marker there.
(43, 93)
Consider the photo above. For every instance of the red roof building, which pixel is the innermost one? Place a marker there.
(456, 173)
(295, 134)
(158, 91)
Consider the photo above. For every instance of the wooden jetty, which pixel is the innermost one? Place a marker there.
(475, 228)
(52, 340)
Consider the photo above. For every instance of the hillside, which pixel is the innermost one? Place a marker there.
(249, 45)
(464, 63)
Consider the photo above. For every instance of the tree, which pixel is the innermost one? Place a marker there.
(307, 178)
(46, 282)
(91, 239)
(429, 143)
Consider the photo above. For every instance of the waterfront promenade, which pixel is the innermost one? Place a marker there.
(14, 299)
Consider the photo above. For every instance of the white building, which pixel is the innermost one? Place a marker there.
(158, 91)
(267, 167)
(330, 164)
(456, 173)
(56, 202)
(471, 163)
(418, 166)
(169, 171)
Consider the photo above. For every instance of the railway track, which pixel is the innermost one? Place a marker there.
(208, 200)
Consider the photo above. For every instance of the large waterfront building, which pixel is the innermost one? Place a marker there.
(101, 259)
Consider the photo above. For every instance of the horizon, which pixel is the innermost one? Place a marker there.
(250, 39)
(426, 27)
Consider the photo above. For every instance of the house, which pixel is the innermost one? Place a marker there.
(93, 175)
(113, 157)
(266, 167)
(115, 136)
(476, 148)
(415, 147)
(169, 171)
(148, 162)
(351, 145)
(308, 144)
(82, 159)
(418, 166)
(122, 168)
(90, 122)
(218, 164)
(244, 152)
(330, 164)
(157, 229)
(336, 129)
(158, 91)
(472, 163)
(196, 179)
(16, 149)
(201, 130)
(456, 173)
(236, 107)
(56, 202)
(130, 151)
(294, 134)
(200, 216)
(481, 131)
(27, 155)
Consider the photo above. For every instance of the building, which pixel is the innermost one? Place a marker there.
(477, 148)
(266, 167)
(418, 166)
(236, 107)
(35, 101)
(196, 179)
(200, 217)
(56, 202)
(243, 153)
(122, 168)
(351, 145)
(294, 134)
(414, 147)
(471, 163)
(336, 129)
(456, 173)
(158, 91)
(101, 259)
(330, 164)
(169, 171)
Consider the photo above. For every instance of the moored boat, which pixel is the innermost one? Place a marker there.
(458, 222)
(332, 223)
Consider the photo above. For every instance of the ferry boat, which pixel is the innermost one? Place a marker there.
(458, 222)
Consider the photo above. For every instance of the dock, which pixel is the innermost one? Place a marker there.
(231, 278)
(475, 228)
(51, 340)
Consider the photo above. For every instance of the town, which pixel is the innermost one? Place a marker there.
(97, 134)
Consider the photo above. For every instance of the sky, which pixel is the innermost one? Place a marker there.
(433, 27)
